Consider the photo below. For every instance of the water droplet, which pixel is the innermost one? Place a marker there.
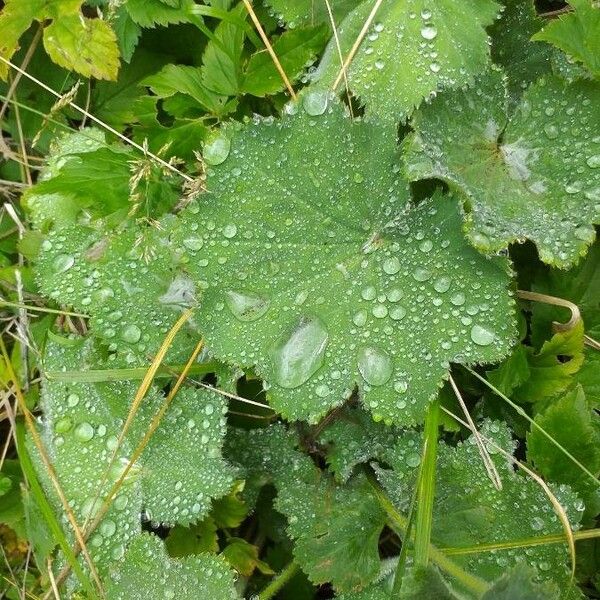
(573, 187)
(216, 150)
(374, 365)
(131, 334)
(395, 295)
(391, 265)
(315, 103)
(442, 284)
(594, 161)
(537, 523)
(380, 311)
(63, 262)
(369, 293)
(551, 131)
(360, 318)
(413, 460)
(435, 67)
(426, 14)
(379, 64)
(246, 306)
(398, 313)
(458, 299)
(108, 528)
(429, 32)
(193, 243)
(482, 336)
(84, 432)
(421, 274)
(426, 246)
(63, 425)
(72, 400)
(230, 230)
(300, 353)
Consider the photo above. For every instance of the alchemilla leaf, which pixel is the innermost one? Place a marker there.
(533, 174)
(412, 50)
(148, 572)
(321, 275)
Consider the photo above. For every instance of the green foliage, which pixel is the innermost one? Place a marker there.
(442, 44)
(136, 577)
(577, 33)
(518, 172)
(337, 252)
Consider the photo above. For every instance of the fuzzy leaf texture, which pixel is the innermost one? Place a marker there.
(533, 174)
(321, 276)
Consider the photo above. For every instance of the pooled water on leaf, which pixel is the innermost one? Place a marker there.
(300, 352)
(246, 306)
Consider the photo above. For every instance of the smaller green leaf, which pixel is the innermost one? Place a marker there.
(551, 369)
(11, 504)
(229, 511)
(512, 372)
(180, 79)
(150, 13)
(88, 46)
(195, 539)
(243, 557)
(127, 31)
(148, 572)
(221, 61)
(577, 33)
(572, 423)
(294, 49)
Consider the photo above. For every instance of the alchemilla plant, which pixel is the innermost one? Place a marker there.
(301, 299)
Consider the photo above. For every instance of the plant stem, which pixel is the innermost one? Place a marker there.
(426, 487)
(279, 582)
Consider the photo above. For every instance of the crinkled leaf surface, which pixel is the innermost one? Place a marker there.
(535, 174)
(148, 572)
(80, 429)
(470, 510)
(412, 49)
(318, 273)
(577, 33)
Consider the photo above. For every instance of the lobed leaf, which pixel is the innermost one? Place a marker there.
(534, 174)
(321, 276)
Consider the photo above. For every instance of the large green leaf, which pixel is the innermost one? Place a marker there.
(534, 174)
(318, 274)
(148, 572)
(577, 33)
(80, 429)
(412, 49)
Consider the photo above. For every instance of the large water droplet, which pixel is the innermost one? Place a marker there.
(374, 365)
(315, 103)
(594, 161)
(429, 32)
(216, 150)
(230, 230)
(63, 262)
(482, 336)
(391, 265)
(84, 432)
(246, 306)
(131, 334)
(300, 353)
